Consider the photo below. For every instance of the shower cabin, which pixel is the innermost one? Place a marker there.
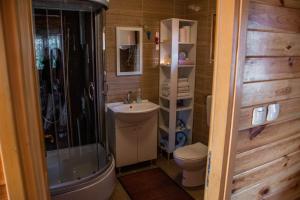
(69, 47)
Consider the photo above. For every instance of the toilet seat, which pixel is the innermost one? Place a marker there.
(193, 152)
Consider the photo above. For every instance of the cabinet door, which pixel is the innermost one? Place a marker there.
(147, 135)
(126, 146)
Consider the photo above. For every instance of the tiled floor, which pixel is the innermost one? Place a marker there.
(169, 167)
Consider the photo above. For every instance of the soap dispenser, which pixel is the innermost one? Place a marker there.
(139, 96)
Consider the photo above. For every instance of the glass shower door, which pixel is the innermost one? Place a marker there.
(70, 94)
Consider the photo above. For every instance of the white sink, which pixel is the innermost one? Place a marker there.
(133, 112)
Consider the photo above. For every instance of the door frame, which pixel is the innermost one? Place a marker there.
(22, 142)
(230, 47)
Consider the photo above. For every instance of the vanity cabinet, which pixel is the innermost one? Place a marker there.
(126, 146)
(133, 142)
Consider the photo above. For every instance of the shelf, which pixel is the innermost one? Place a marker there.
(165, 109)
(177, 109)
(163, 97)
(186, 43)
(184, 108)
(166, 130)
(163, 148)
(184, 97)
(165, 42)
(189, 21)
(186, 66)
(178, 98)
(186, 129)
(165, 65)
(179, 66)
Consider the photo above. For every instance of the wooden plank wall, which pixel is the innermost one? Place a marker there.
(268, 165)
(141, 13)
(204, 66)
(149, 13)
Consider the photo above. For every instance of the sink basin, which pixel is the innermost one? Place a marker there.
(133, 112)
(135, 108)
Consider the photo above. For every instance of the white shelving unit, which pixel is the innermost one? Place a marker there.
(178, 39)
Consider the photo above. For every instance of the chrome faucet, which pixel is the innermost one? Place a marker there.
(128, 100)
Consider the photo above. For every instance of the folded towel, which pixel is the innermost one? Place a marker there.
(165, 85)
(179, 80)
(183, 84)
(183, 90)
(183, 80)
(183, 94)
(179, 86)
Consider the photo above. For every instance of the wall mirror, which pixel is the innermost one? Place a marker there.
(129, 51)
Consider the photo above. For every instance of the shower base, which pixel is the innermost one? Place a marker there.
(73, 173)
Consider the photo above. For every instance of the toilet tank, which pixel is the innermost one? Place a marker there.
(208, 109)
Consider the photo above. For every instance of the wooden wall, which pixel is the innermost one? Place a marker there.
(137, 13)
(149, 13)
(204, 68)
(268, 166)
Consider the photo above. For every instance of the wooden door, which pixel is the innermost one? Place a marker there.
(21, 140)
(225, 98)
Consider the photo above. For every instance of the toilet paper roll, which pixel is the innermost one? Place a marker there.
(182, 35)
(187, 33)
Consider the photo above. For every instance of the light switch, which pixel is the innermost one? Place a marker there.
(259, 116)
(273, 112)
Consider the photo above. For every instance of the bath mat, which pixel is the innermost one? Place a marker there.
(153, 184)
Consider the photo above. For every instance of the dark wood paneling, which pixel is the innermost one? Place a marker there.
(264, 69)
(268, 165)
(270, 134)
(267, 153)
(273, 185)
(272, 91)
(275, 44)
(270, 18)
(281, 3)
(290, 191)
(253, 176)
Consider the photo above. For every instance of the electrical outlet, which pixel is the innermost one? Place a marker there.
(273, 112)
(259, 116)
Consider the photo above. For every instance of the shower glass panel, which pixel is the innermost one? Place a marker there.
(70, 93)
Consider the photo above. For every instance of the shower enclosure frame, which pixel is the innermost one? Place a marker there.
(97, 17)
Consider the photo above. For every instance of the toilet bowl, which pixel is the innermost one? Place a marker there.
(192, 158)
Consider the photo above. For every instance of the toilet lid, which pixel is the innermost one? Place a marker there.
(196, 151)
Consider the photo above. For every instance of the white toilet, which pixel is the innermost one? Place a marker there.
(192, 159)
